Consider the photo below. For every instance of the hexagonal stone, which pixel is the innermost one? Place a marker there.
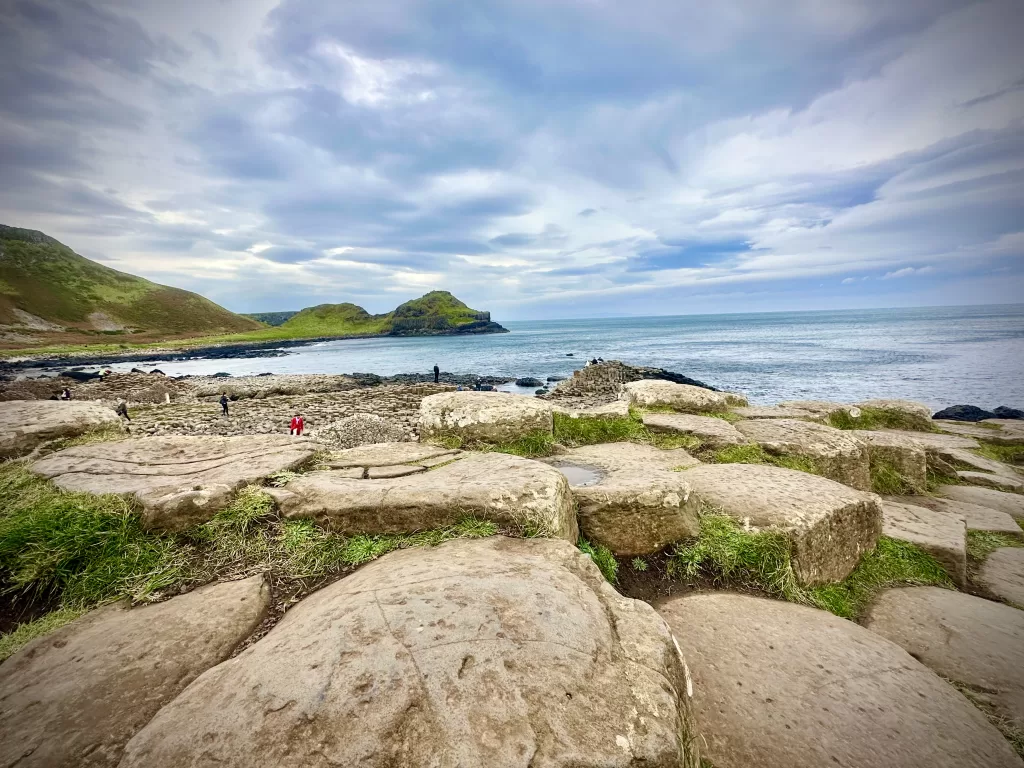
(492, 486)
(837, 454)
(904, 454)
(1009, 503)
(1002, 574)
(940, 534)
(25, 424)
(654, 393)
(489, 417)
(493, 652)
(778, 685)
(977, 517)
(964, 638)
(636, 505)
(829, 526)
(999, 482)
(76, 696)
(178, 480)
(714, 432)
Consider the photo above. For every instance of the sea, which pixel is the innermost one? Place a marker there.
(938, 355)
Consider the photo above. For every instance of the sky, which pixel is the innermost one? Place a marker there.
(537, 158)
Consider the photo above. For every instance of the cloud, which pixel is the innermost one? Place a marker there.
(907, 272)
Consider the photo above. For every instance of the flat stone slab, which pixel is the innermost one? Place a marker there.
(940, 534)
(492, 652)
(490, 417)
(936, 441)
(77, 695)
(389, 454)
(904, 454)
(717, 433)
(25, 424)
(829, 525)
(776, 412)
(492, 486)
(999, 482)
(654, 393)
(964, 638)
(977, 517)
(178, 480)
(838, 455)
(1010, 503)
(1001, 431)
(1002, 574)
(823, 408)
(618, 409)
(778, 685)
(637, 505)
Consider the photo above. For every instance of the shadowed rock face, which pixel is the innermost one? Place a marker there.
(76, 696)
(25, 424)
(961, 637)
(492, 486)
(778, 685)
(493, 652)
(829, 526)
(838, 455)
(941, 534)
(178, 480)
(490, 417)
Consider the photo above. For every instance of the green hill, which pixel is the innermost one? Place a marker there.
(273, 319)
(46, 288)
(436, 313)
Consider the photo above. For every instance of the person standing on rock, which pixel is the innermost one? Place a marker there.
(297, 425)
(437, 375)
(65, 394)
(224, 402)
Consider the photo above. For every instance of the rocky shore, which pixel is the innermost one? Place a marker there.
(631, 570)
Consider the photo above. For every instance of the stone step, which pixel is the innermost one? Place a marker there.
(941, 534)
(712, 431)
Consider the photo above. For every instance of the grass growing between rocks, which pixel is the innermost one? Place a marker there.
(572, 432)
(1008, 454)
(104, 433)
(602, 557)
(879, 418)
(887, 480)
(14, 641)
(981, 544)
(755, 454)
(1012, 732)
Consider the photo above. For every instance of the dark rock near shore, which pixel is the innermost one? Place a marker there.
(221, 375)
(529, 381)
(964, 413)
(79, 375)
(463, 379)
(1004, 412)
(556, 378)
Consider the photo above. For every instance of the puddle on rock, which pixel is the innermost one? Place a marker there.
(579, 475)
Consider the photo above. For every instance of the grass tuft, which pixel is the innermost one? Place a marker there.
(1008, 454)
(887, 480)
(575, 432)
(880, 418)
(639, 564)
(755, 454)
(23, 634)
(603, 559)
(104, 433)
(981, 544)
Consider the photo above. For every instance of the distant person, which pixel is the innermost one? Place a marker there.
(297, 425)
(65, 394)
(594, 361)
(224, 402)
(437, 375)
(122, 410)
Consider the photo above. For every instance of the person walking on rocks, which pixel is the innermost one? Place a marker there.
(224, 403)
(122, 410)
(297, 425)
(437, 375)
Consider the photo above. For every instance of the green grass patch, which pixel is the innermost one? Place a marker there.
(102, 434)
(729, 416)
(887, 480)
(981, 544)
(755, 454)
(603, 559)
(880, 418)
(23, 634)
(575, 432)
(1008, 454)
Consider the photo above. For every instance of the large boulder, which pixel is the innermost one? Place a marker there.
(76, 696)
(25, 424)
(357, 429)
(492, 486)
(977, 517)
(836, 453)
(487, 417)
(710, 430)
(969, 413)
(178, 480)
(778, 685)
(1008, 503)
(495, 652)
(828, 525)
(916, 415)
(652, 393)
(889, 450)
(940, 534)
(638, 504)
(964, 638)
(1002, 575)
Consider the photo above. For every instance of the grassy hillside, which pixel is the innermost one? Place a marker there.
(45, 287)
(272, 319)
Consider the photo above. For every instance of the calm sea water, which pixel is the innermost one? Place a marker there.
(941, 356)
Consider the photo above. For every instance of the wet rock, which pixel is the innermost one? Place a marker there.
(76, 696)
(778, 685)
(479, 416)
(941, 534)
(1005, 412)
(529, 381)
(26, 424)
(964, 413)
(495, 652)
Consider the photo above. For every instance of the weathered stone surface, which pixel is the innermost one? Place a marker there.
(977, 517)
(492, 486)
(904, 454)
(495, 652)
(829, 526)
(936, 441)
(401, 470)
(638, 505)
(1001, 431)
(617, 409)
(961, 637)
(491, 417)
(988, 480)
(389, 454)
(76, 696)
(652, 393)
(178, 480)
(776, 412)
(717, 433)
(823, 408)
(942, 535)
(778, 685)
(1002, 574)
(837, 454)
(982, 463)
(24, 424)
(919, 413)
(1010, 503)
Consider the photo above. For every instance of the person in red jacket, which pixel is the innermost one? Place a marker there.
(297, 425)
